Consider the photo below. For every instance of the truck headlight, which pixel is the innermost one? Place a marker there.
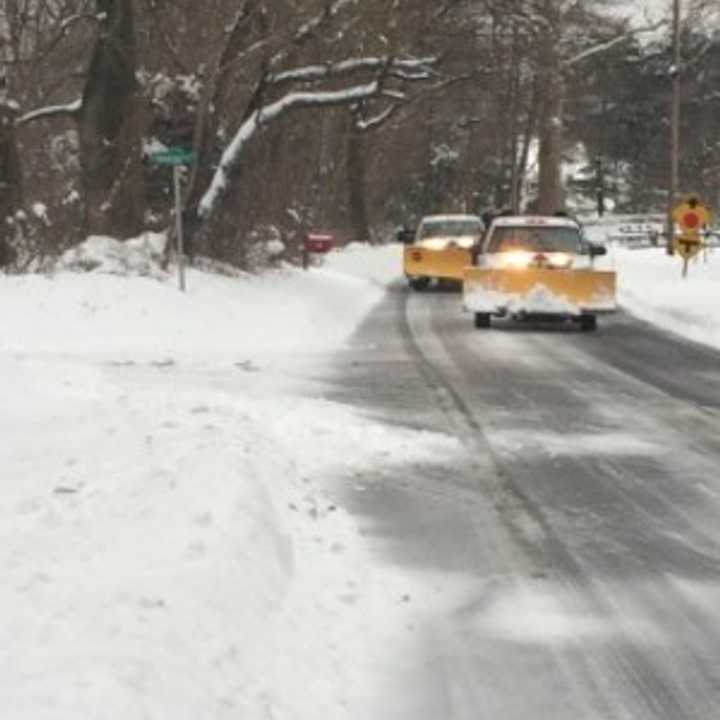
(560, 260)
(517, 259)
(434, 243)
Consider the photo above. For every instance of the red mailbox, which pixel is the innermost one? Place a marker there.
(320, 243)
(316, 244)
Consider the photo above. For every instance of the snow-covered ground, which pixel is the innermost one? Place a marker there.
(651, 286)
(170, 541)
(170, 546)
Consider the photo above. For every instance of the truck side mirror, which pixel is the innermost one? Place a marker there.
(597, 250)
(405, 236)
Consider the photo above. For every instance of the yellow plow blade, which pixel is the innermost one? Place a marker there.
(425, 262)
(562, 292)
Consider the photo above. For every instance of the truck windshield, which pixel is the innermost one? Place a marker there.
(535, 239)
(450, 228)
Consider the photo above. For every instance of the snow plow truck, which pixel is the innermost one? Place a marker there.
(440, 249)
(540, 268)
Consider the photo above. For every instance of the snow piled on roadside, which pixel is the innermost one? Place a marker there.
(130, 316)
(170, 546)
(138, 256)
(651, 287)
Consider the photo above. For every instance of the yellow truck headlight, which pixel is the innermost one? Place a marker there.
(434, 243)
(560, 260)
(522, 259)
(516, 259)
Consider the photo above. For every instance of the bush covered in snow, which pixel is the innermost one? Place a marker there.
(264, 247)
(140, 256)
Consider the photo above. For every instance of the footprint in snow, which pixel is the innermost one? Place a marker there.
(204, 519)
(66, 490)
(247, 366)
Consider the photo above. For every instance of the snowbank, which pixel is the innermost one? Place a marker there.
(129, 316)
(170, 544)
(651, 286)
(139, 256)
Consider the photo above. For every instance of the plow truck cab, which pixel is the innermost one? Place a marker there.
(441, 248)
(538, 268)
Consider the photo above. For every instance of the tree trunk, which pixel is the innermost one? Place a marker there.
(528, 135)
(356, 178)
(10, 179)
(551, 195)
(248, 23)
(111, 127)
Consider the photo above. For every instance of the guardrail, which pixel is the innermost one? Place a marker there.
(650, 240)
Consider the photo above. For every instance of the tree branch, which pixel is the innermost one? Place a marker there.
(264, 116)
(610, 44)
(52, 111)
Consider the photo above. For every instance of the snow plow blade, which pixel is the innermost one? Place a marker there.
(539, 291)
(448, 263)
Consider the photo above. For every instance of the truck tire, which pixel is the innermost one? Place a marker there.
(482, 320)
(588, 323)
(419, 283)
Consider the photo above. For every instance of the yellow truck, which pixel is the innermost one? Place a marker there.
(538, 268)
(440, 249)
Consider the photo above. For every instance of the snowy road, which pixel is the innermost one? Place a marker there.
(567, 564)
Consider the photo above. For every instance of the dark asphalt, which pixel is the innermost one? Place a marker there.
(581, 515)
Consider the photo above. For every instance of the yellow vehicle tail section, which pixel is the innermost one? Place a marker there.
(448, 263)
(539, 290)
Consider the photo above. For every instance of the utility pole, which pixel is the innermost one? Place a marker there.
(676, 76)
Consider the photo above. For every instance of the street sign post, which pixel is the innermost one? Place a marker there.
(173, 156)
(688, 245)
(177, 158)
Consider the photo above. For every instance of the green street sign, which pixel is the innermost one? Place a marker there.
(173, 156)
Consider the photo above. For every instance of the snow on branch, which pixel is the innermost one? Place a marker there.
(70, 109)
(320, 72)
(266, 115)
(68, 22)
(610, 44)
(406, 75)
(365, 124)
(406, 69)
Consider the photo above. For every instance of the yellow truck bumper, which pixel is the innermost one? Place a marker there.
(448, 264)
(569, 293)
